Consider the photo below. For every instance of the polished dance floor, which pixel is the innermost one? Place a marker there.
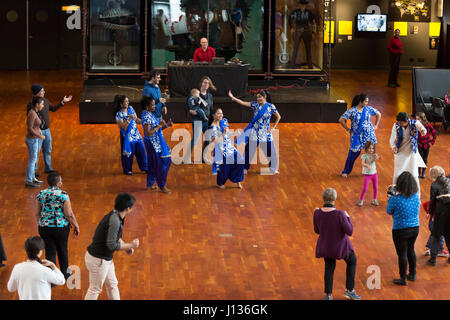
(201, 242)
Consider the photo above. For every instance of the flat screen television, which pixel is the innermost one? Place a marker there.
(366, 22)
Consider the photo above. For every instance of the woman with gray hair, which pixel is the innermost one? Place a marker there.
(334, 228)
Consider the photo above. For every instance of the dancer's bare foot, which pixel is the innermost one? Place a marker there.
(221, 187)
(245, 171)
(344, 175)
(165, 190)
(239, 185)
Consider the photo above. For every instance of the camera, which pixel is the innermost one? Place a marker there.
(392, 191)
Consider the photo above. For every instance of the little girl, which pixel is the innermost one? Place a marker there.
(369, 170)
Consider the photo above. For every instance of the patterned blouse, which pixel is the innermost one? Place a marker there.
(367, 131)
(150, 119)
(405, 211)
(261, 127)
(52, 202)
(135, 136)
(226, 147)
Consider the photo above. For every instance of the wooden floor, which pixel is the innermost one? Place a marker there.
(204, 243)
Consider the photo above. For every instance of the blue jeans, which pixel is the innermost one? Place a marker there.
(46, 146)
(441, 240)
(33, 154)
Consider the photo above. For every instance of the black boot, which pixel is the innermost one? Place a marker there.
(432, 261)
(401, 282)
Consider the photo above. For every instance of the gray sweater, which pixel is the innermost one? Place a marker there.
(107, 236)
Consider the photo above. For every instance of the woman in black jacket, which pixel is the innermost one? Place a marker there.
(440, 206)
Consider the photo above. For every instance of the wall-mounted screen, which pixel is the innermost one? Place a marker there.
(371, 22)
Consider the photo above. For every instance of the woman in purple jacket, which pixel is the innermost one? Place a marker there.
(334, 228)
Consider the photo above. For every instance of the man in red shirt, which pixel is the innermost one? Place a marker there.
(204, 53)
(395, 49)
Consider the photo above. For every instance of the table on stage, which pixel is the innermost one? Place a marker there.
(183, 78)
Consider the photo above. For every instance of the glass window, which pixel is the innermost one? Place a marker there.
(114, 35)
(234, 29)
(298, 35)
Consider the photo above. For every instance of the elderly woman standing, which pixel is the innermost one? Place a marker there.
(361, 129)
(440, 208)
(54, 214)
(258, 132)
(404, 207)
(334, 228)
(404, 144)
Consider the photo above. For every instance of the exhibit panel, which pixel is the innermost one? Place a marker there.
(235, 29)
(114, 35)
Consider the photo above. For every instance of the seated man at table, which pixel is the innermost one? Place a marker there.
(204, 53)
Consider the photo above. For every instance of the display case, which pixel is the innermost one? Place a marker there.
(114, 37)
(131, 37)
(234, 28)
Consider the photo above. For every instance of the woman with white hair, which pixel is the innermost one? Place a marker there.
(440, 208)
(334, 228)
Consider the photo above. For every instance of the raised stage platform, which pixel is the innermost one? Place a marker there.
(296, 102)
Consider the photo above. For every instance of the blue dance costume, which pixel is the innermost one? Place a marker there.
(257, 133)
(361, 132)
(158, 152)
(131, 143)
(228, 162)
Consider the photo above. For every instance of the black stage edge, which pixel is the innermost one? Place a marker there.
(297, 100)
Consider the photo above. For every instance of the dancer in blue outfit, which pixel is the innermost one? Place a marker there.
(158, 152)
(131, 143)
(361, 129)
(228, 162)
(258, 131)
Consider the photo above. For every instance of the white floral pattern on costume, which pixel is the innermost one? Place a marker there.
(226, 147)
(135, 136)
(150, 119)
(367, 131)
(261, 127)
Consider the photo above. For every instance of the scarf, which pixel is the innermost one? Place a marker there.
(243, 138)
(217, 155)
(126, 141)
(356, 134)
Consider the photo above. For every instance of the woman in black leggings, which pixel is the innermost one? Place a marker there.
(55, 217)
(334, 228)
(404, 207)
